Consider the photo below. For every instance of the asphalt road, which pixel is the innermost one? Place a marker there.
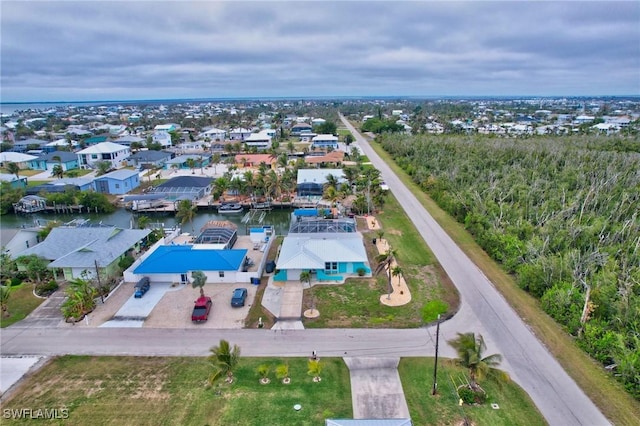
(528, 362)
(483, 310)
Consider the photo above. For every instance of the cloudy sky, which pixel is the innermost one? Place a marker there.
(89, 50)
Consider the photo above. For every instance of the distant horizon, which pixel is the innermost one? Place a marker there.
(317, 97)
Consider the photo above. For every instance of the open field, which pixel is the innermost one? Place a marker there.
(21, 303)
(152, 391)
(607, 394)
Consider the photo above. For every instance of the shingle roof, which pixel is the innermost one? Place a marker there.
(187, 182)
(121, 174)
(183, 258)
(64, 156)
(150, 155)
(83, 247)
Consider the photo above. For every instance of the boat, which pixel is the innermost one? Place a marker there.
(230, 208)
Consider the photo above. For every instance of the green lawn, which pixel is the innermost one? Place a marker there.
(515, 406)
(23, 172)
(356, 303)
(172, 391)
(21, 303)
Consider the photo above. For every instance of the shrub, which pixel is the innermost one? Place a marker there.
(432, 309)
(46, 288)
(466, 395)
(361, 272)
(126, 262)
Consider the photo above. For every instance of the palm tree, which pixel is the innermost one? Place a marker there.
(215, 160)
(223, 360)
(13, 169)
(186, 212)
(57, 171)
(470, 349)
(305, 277)
(384, 261)
(191, 163)
(199, 280)
(80, 299)
(282, 372)
(5, 292)
(396, 271)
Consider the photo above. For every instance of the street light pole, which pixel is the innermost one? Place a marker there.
(435, 365)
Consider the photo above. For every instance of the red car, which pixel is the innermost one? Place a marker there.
(201, 309)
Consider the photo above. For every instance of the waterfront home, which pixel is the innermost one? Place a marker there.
(117, 182)
(94, 140)
(74, 252)
(67, 160)
(185, 188)
(14, 181)
(105, 151)
(311, 182)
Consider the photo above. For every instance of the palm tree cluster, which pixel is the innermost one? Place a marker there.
(470, 351)
(80, 300)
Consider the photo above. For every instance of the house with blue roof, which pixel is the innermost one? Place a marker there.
(68, 161)
(175, 263)
(117, 182)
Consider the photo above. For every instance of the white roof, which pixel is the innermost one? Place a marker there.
(325, 138)
(15, 157)
(6, 177)
(311, 251)
(103, 148)
(255, 137)
(240, 130)
(319, 175)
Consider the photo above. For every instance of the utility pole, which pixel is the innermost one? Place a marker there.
(435, 365)
(369, 198)
(99, 284)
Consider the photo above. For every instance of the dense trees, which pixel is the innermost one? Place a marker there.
(561, 214)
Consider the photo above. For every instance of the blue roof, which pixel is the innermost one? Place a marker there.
(121, 174)
(184, 258)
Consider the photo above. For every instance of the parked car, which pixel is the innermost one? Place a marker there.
(201, 309)
(141, 287)
(238, 297)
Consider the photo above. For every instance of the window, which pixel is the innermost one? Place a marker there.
(330, 267)
(221, 274)
(94, 156)
(117, 185)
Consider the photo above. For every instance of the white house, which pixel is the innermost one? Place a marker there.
(239, 134)
(324, 142)
(258, 140)
(213, 134)
(104, 151)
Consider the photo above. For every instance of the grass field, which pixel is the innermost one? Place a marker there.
(21, 303)
(356, 303)
(605, 392)
(173, 391)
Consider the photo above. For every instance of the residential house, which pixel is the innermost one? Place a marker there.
(328, 248)
(162, 137)
(324, 142)
(298, 128)
(67, 160)
(25, 145)
(105, 151)
(128, 140)
(81, 251)
(149, 159)
(260, 141)
(59, 144)
(311, 182)
(94, 140)
(182, 161)
(176, 263)
(254, 160)
(239, 134)
(185, 187)
(333, 159)
(14, 182)
(22, 160)
(62, 185)
(213, 134)
(117, 182)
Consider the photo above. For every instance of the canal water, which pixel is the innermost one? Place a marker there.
(122, 218)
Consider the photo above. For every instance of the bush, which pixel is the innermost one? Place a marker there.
(432, 309)
(469, 396)
(126, 262)
(361, 272)
(46, 288)
(15, 281)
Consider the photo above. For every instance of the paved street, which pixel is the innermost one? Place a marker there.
(485, 311)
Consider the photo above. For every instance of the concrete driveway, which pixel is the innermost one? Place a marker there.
(135, 311)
